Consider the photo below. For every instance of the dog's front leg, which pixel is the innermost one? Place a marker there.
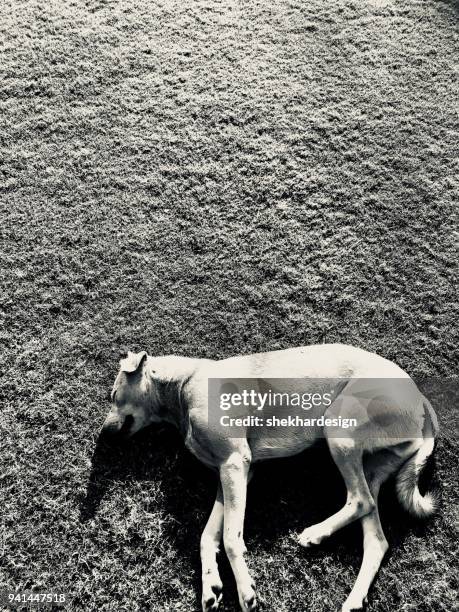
(234, 477)
(210, 543)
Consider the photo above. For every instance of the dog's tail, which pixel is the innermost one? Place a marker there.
(407, 479)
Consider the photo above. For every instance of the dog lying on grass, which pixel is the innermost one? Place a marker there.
(379, 444)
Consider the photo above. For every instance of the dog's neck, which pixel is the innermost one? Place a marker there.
(169, 375)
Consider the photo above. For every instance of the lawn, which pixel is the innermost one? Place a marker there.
(211, 178)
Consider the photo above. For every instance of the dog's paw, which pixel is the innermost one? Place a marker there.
(211, 597)
(248, 600)
(250, 604)
(311, 537)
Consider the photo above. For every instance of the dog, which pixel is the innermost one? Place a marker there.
(176, 390)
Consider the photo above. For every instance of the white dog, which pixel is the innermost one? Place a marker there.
(175, 389)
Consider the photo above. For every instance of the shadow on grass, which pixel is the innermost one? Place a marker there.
(156, 452)
(284, 497)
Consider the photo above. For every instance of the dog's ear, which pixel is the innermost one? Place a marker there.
(133, 362)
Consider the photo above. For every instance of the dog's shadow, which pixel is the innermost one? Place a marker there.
(284, 497)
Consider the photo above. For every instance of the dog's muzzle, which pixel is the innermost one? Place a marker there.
(114, 427)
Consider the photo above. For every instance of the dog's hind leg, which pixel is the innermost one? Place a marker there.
(348, 457)
(210, 543)
(378, 466)
(374, 548)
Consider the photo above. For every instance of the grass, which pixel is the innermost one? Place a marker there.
(210, 178)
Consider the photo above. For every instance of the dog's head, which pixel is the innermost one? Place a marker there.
(134, 398)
